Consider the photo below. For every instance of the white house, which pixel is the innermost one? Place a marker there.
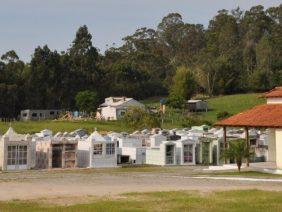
(15, 151)
(97, 151)
(114, 107)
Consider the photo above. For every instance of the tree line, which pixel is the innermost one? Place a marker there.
(239, 51)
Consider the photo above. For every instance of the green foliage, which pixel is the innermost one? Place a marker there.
(205, 153)
(138, 118)
(237, 150)
(86, 101)
(192, 120)
(176, 101)
(183, 83)
(222, 115)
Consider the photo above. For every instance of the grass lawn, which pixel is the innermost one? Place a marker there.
(239, 200)
(232, 104)
(173, 118)
(64, 126)
(253, 174)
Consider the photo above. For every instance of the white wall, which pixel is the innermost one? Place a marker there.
(274, 100)
(104, 160)
(156, 140)
(138, 154)
(157, 156)
(83, 153)
(278, 136)
(130, 142)
(109, 113)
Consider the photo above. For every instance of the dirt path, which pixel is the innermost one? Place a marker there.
(36, 184)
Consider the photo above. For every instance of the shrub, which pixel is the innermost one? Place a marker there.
(139, 118)
(222, 115)
(176, 101)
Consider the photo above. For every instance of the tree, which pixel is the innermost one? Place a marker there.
(87, 101)
(184, 83)
(81, 60)
(237, 150)
(45, 80)
(10, 56)
(176, 101)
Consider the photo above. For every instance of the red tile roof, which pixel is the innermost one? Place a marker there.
(274, 93)
(267, 115)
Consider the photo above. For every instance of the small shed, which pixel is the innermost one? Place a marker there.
(197, 105)
(163, 155)
(131, 149)
(56, 152)
(15, 151)
(97, 151)
(185, 152)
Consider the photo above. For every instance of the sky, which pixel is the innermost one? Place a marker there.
(26, 24)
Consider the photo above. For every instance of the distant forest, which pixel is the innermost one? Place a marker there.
(239, 51)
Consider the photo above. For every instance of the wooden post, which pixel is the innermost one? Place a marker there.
(224, 143)
(248, 145)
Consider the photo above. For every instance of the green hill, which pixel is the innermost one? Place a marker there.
(232, 104)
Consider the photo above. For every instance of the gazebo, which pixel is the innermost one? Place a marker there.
(266, 116)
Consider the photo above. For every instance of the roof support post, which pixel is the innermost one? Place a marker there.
(224, 143)
(248, 146)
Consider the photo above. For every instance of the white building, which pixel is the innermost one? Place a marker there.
(114, 107)
(56, 152)
(171, 152)
(97, 151)
(185, 152)
(197, 105)
(15, 151)
(30, 114)
(131, 148)
(265, 116)
(164, 154)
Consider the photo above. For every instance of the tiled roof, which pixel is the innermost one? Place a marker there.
(267, 115)
(274, 93)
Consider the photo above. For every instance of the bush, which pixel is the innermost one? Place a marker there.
(139, 118)
(176, 102)
(192, 120)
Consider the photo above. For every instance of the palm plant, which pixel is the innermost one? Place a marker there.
(237, 150)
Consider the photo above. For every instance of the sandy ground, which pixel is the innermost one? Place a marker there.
(84, 184)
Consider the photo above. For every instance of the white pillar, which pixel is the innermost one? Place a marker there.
(271, 146)
(278, 136)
